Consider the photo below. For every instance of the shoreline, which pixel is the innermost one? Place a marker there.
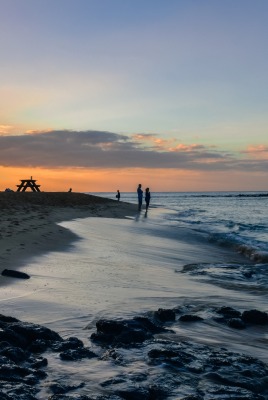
(121, 303)
(29, 222)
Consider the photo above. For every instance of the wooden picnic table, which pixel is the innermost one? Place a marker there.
(28, 183)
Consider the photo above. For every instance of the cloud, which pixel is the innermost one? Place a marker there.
(261, 148)
(101, 149)
(192, 147)
(4, 129)
(154, 142)
(258, 152)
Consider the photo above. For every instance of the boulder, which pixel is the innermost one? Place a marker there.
(255, 317)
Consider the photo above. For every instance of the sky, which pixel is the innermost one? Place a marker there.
(100, 95)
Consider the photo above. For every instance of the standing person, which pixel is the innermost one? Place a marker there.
(140, 195)
(118, 195)
(147, 198)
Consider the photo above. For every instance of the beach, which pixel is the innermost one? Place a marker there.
(144, 309)
(29, 221)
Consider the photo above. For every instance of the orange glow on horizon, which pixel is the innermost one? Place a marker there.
(109, 180)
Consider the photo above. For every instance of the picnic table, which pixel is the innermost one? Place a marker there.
(28, 183)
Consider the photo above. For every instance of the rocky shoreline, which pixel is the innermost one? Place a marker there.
(148, 357)
(174, 368)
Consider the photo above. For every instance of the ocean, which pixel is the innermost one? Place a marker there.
(198, 254)
(238, 220)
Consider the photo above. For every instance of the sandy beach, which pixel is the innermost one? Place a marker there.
(29, 222)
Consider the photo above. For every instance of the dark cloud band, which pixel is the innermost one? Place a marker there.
(101, 149)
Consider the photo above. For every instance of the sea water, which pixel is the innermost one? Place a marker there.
(235, 219)
(198, 251)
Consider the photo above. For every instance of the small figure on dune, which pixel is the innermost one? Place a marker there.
(140, 195)
(147, 198)
(118, 195)
(70, 190)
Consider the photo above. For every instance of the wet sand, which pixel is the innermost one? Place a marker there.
(29, 220)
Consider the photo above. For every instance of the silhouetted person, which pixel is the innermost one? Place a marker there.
(140, 195)
(70, 190)
(147, 198)
(118, 195)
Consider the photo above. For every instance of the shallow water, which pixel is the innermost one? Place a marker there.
(238, 220)
(123, 268)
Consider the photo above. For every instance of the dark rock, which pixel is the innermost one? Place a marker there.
(58, 388)
(234, 380)
(10, 372)
(18, 392)
(14, 354)
(109, 327)
(77, 354)
(255, 317)
(148, 325)
(20, 371)
(4, 396)
(228, 312)
(39, 362)
(138, 393)
(190, 318)
(38, 346)
(15, 274)
(125, 332)
(165, 315)
(236, 323)
(83, 397)
(4, 318)
(162, 354)
(220, 320)
(170, 356)
(112, 354)
(12, 338)
(68, 344)
(32, 332)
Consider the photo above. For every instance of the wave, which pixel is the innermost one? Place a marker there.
(250, 250)
(252, 277)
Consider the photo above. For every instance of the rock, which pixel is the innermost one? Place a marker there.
(59, 388)
(164, 315)
(236, 323)
(228, 312)
(31, 332)
(4, 318)
(175, 357)
(125, 332)
(77, 354)
(15, 274)
(14, 354)
(255, 317)
(140, 393)
(69, 344)
(190, 318)
(20, 370)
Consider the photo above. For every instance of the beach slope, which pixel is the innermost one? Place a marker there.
(28, 221)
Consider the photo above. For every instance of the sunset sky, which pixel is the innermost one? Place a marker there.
(100, 95)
